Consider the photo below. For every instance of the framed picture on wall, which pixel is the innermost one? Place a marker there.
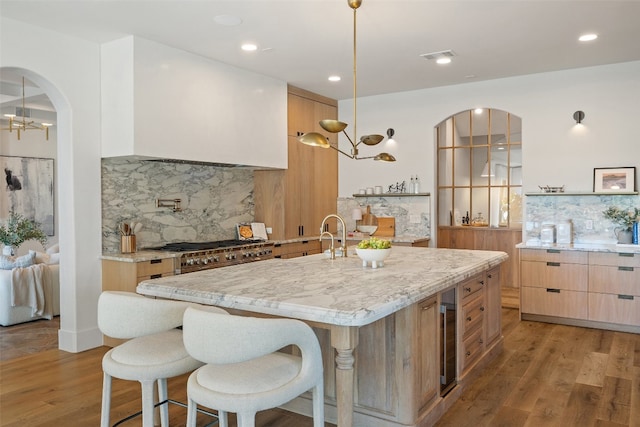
(28, 190)
(614, 180)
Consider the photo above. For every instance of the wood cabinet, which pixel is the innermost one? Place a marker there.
(125, 276)
(593, 289)
(554, 283)
(614, 288)
(491, 239)
(296, 249)
(293, 202)
(428, 351)
(479, 320)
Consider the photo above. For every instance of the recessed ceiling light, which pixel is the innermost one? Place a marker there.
(587, 37)
(227, 20)
(249, 47)
(478, 111)
(334, 78)
(443, 61)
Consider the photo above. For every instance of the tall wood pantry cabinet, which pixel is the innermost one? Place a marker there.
(293, 202)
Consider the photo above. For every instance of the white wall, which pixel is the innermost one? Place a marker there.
(67, 69)
(555, 151)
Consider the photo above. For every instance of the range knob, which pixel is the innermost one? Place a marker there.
(216, 258)
(205, 261)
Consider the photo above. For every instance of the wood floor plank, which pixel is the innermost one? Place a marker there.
(582, 406)
(622, 355)
(593, 369)
(615, 403)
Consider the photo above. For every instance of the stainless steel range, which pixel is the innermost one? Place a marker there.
(198, 256)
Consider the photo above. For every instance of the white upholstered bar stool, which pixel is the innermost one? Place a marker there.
(245, 373)
(154, 352)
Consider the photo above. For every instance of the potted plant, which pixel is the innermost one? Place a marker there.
(17, 230)
(625, 219)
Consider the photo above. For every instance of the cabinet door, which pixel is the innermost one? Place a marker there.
(325, 179)
(429, 380)
(301, 115)
(493, 312)
(554, 302)
(621, 309)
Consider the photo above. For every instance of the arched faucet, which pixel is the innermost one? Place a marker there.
(344, 231)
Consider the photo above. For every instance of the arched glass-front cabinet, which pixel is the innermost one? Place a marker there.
(480, 169)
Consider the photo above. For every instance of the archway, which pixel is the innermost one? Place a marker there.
(62, 169)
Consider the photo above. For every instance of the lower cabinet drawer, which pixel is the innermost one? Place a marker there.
(554, 302)
(572, 277)
(614, 280)
(612, 308)
(472, 348)
(469, 288)
(472, 315)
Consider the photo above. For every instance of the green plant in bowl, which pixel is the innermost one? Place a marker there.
(374, 243)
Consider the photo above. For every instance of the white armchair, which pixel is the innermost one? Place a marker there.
(244, 372)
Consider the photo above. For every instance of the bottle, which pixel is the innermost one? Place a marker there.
(411, 185)
(416, 185)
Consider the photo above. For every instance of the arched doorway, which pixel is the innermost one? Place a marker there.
(479, 186)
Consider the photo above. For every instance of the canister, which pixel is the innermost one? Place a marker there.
(548, 233)
(564, 230)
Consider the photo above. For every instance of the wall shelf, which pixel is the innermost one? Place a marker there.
(394, 195)
(583, 193)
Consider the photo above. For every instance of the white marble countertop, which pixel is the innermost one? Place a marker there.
(337, 292)
(586, 247)
(141, 256)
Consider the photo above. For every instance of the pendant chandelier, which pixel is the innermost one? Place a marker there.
(21, 123)
(334, 126)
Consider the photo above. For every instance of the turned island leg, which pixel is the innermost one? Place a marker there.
(344, 339)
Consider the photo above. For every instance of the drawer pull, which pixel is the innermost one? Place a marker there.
(481, 308)
(156, 276)
(481, 282)
(489, 276)
(628, 255)
(555, 291)
(553, 251)
(278, 256)
(629, 297)
(625, 268)
(469, 319)
(553, 264)
(155, 261)
(468, 353)
(467, 289)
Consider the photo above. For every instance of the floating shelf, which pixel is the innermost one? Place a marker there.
(394, 195)
(584, 193)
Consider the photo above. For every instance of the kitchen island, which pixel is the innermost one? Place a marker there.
(389, 314)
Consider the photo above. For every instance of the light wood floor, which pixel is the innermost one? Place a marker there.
(548, 375)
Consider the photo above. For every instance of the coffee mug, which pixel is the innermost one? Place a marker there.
(369, 190)
(378, 189)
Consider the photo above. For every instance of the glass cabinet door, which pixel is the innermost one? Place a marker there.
(480, 169)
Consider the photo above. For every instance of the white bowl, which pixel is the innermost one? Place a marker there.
(374, 256)
(368, 228)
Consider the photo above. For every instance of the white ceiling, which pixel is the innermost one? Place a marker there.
(302, 42)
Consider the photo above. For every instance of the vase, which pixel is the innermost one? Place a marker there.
(624, 235)
(7, 250)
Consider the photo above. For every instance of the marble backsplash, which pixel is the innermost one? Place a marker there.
(584, 211)
(412, 213)
(213, 200)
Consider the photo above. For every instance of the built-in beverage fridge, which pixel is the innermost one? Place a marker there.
(447, 341)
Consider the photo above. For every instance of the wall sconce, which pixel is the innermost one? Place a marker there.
(390, 133)
(578, 116)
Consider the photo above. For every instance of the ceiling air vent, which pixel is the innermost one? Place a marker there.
(437, 55)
